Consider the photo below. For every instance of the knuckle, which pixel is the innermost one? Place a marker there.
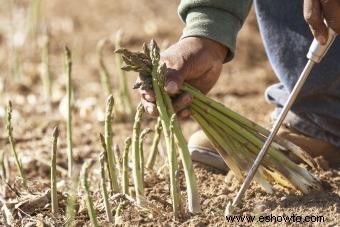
(310, 18)
(325, 1)
(335, 25)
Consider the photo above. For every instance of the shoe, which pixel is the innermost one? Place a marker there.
(313, 146)
(202, 151)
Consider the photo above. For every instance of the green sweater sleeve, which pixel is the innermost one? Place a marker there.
(219, 20)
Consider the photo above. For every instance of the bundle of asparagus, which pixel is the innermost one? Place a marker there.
(237, 139)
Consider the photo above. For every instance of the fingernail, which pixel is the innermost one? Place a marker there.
(149, 109)
(172, 87)
(321, 39)
(185, 113)
(149, 98)
(188, 98)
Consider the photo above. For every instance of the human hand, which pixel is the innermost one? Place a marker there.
(195, 60)
(315, 11)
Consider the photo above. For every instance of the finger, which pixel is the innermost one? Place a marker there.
(182, 101)
(184, 114)
(331, 10)
(312, 12)
(150, 107)
(148, 95)
(175, 74)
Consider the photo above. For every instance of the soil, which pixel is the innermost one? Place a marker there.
(80, 24)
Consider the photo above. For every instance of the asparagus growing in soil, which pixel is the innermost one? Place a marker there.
(54, 196)
(71, 201)
(3, 172)
(45, 70)
(89, 201)
(141, 150)
(104, 74)
(174, 184)
(12, 143)
(124, 92)
(34, 16)
(104, 189)
(125, 180)
(116, 153)
(152, 156)
(108, 147)
(137, 172)
(68, 71)
(118, 218)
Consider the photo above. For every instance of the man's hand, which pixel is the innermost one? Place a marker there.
(195, 60)
(315, 11)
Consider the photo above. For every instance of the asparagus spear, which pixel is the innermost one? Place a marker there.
(152, 156)
(54, 196)
(125, 180)
(12, 143)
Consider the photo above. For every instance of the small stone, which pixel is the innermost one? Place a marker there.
(206, 202)
(260, 208)
(283, 198)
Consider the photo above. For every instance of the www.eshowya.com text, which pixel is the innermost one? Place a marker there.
(293, 218)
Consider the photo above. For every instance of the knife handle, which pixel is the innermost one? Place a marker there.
(317, 51)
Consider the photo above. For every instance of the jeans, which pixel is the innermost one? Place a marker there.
(287, 38)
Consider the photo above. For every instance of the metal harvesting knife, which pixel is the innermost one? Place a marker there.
(315, 55)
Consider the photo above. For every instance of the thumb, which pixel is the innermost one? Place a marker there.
(174, 80)
(176, 69)
(312, 11)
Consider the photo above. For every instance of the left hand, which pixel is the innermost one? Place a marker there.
(315, 11)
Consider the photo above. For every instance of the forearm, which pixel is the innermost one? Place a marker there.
(219, 20)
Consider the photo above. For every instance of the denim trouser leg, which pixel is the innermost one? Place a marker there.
(286, 39)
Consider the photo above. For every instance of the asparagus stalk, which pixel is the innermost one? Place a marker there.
(108, 141)
(118, 218)
(46, 75)
(123, 86)
(54, 196)
(104, 189)
(3, 171)
(71, 201)
(104, 74)
(152, 156)
(125, 180)
(137, 174)
(34, 15)
(13, 147)
(89, 201)
(175, 192)
(68, 69)
(116, 153)
(141, 149)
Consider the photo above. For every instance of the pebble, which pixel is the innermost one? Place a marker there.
(260, 208)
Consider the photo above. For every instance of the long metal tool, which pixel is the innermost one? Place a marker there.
(315, 54)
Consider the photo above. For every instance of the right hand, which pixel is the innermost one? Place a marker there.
(195, 60)
(316, 11)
